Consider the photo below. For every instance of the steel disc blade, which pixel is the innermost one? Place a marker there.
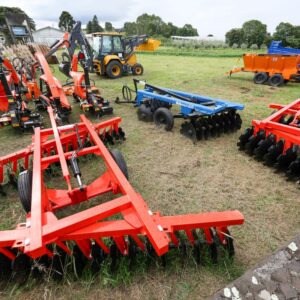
(197, 252)
(229, 244)
(189, 131)
(273, 152)
(217, 125)
(57, 266)
(263, 146)
(238, 122)
(40, 266)
(253, 142)
(98, 256)
(5, 267)
(114, 255)
(294, 168)
(284, 160)
(132, 251)
(21, 267)
(79, 261)
(244, 138)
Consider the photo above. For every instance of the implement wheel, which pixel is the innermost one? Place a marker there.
(25, 188)
(276, 80)
(144, 113)
(137, 69)
(163, 116)
(120, 160)
(260, 77)
(114, 69)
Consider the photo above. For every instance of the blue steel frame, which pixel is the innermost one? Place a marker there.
(198, 104)
(277, 48)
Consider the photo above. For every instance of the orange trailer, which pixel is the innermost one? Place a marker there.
(272, 68)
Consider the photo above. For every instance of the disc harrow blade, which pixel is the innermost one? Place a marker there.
(263, 146)
(274, 151)
(244, 138)
(294, 167)
(253, 142)
(285, 160)
(189, 131)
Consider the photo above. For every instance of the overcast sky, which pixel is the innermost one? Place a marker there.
(208, 16)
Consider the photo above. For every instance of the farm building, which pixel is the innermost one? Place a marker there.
(47, 35)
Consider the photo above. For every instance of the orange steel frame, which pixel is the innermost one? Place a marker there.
(289, 133)
(42, 227)
(287, 65)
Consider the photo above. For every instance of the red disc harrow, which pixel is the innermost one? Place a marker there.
(94, 233)
(276, 139)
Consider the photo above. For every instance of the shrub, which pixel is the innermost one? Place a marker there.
(254, 47)
(235, 46)
(244, 46)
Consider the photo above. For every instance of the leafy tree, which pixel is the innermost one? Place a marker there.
(95, 25)
(188, 30)
(89, 27)
(108, 26)
(255, 32)
(66, 21)
(283, 32)
(14, 10)
(235, 36)
(130, 28)
(154, 25)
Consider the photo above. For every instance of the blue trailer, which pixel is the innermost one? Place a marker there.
(204, 116)
(277, 48)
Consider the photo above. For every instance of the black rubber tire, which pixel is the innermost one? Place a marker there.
(260, 77)
(110, 69)
(25, 189)
(276, 80)
(163, 116)
(120, 160)
(144, 113)
(137, 69)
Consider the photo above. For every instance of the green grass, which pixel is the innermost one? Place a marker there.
(201, 52)
(176, 177)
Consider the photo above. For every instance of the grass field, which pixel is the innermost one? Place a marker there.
(175, 176)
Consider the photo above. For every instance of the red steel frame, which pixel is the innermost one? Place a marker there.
(42, 227)
(289, 133)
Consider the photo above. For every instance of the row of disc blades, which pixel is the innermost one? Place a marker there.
(270, 149)
(204, 127)
(57, 266)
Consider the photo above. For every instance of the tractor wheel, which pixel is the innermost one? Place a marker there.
(25, 188)
(163, 116)
(120, 160)
(114, 69)
(260, 77)
(144, 113)
(276, 80)
(137, 69)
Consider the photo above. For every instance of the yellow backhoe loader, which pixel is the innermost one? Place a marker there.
(116, 54)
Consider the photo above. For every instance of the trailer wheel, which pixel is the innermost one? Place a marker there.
(163, 116)
(260, 77)
(276, 80)
(114, 69)
(120, 160)
(25, 188)
(137, 69)
(144, 113)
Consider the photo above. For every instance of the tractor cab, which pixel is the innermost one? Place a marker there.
(108, 43)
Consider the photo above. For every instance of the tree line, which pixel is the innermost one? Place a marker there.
(144, 24)
(254, 33)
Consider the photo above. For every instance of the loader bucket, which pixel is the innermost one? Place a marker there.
(150, 45)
